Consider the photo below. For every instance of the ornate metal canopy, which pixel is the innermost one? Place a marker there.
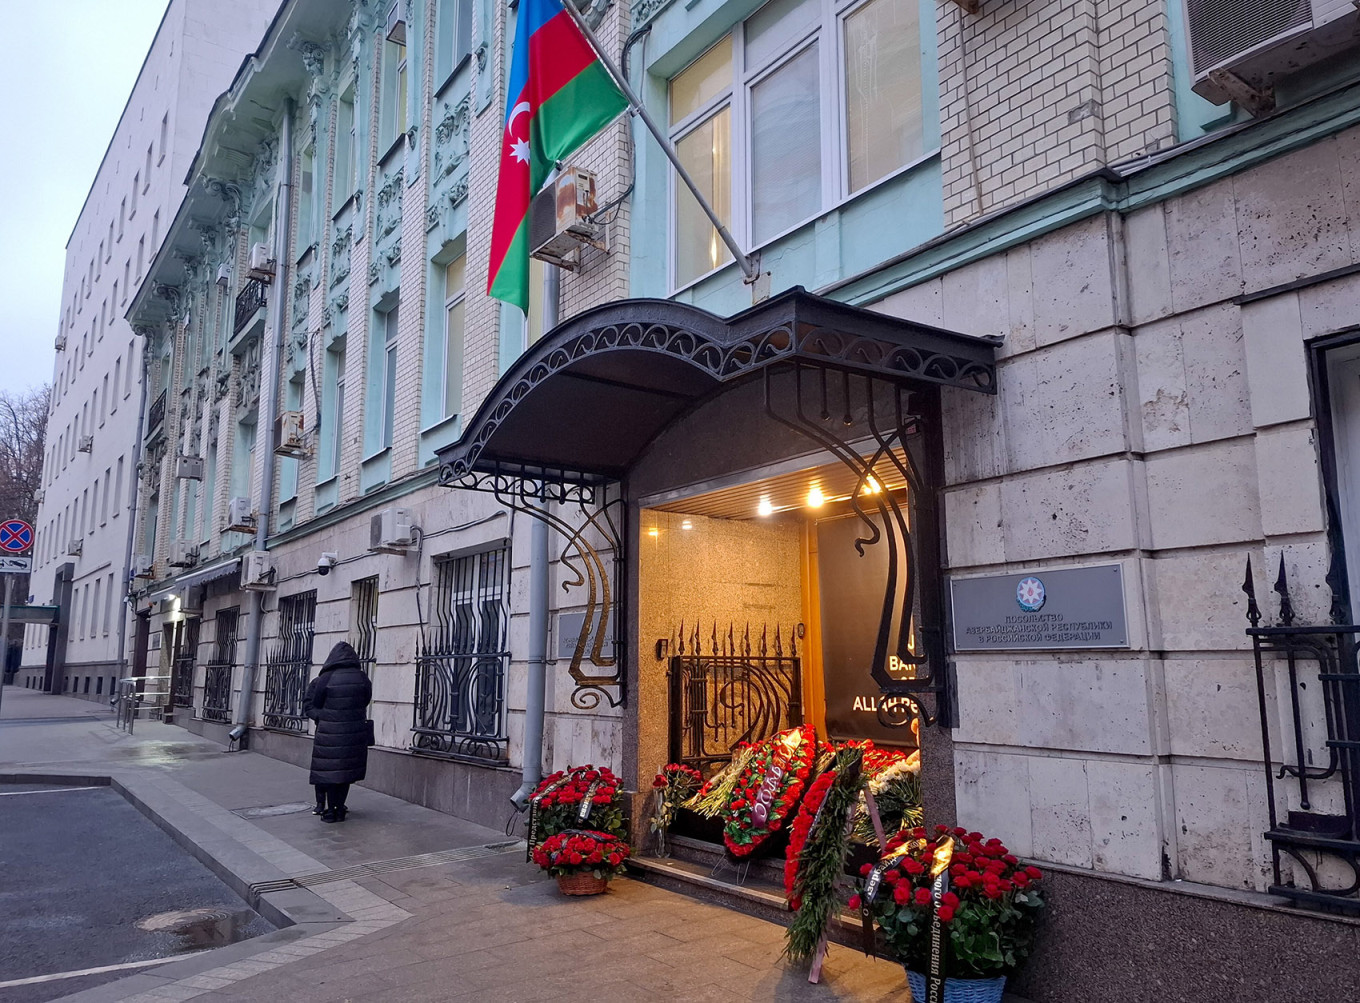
(568, 421)
(583, 402)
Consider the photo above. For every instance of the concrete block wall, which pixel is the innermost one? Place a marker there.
(1037, 92)
(1147, 418)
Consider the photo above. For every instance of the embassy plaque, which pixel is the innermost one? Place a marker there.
(1067, 608)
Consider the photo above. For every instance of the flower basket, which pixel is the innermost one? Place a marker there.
(959, 990)
(584, 883)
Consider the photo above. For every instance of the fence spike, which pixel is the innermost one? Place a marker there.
(1249, 587)
(1282, 587)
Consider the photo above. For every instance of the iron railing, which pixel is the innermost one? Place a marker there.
(290, 664)
(156, 415)
(364, 636)
(217, 672)
(1319, 735)
(250, 299)
(182, 667)
(739, 690)
(460, 675)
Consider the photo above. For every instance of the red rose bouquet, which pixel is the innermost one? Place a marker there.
(581, 797)
(989, 913)
(673, 786)
(768, 788)
(580, 850)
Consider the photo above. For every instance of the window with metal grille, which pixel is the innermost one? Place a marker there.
(217, 673)
(461, 668)
(363, 632)
(290, 663)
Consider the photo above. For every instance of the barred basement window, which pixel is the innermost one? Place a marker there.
(461, 667)
(290, 663)
(217, 673)
(363, 604)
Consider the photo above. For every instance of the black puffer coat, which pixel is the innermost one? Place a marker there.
(336, 700)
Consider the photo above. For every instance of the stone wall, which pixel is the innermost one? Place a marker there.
(1145, 417)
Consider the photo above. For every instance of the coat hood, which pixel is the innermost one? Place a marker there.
(342, 655)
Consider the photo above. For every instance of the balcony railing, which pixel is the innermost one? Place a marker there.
(1308, 687)
(250, 299)
(156, 415)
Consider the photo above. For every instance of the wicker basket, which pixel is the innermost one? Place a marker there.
(581, 883)
(959, 990)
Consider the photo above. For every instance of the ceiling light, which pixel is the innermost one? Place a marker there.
(765, 508)
(871, 486)
(815, 497)
(653, 532)
(687, 524)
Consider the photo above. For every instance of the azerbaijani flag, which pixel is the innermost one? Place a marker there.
(559, 96)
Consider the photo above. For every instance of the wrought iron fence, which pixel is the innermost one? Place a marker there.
(1320, 746)
(156, 415)
(460, 675)
(289, 664)
(185, 658)
(217, 673)
(364, 633)
(739, 690)
(250, 299)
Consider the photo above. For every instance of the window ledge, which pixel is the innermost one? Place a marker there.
(344, 206)
(397, 145)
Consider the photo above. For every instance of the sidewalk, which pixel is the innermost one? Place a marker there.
(445, 911)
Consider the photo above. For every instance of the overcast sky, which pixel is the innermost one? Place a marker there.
(66, 71)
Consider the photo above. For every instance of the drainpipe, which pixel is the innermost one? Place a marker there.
(538, 605)
(134, 487)
(283, 213)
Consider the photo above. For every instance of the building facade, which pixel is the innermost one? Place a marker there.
(1071, 318)
(89, 471)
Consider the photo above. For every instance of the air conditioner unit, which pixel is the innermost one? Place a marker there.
(396, 26)
(257, 571)
(60, 343)
(1240, 48)
(558, 223)
(390, 531)
(183, 554)
(261, 265)
(240, 516)
(189, 468)
(75, 546)
(85, 444)
(143, 566)
(288, 437)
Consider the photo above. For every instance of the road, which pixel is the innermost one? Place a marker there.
(87, 881)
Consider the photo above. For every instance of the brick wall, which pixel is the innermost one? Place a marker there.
(1034, 94)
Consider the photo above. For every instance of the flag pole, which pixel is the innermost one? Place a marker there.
(748, 266)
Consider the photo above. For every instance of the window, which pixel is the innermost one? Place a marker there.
(343, 152)
(453, 36)
(329, 464)
(290, 663)
(141, 252)
(387, 406)
(801, 106)
(165, 129)
(392, 116)
(95, 507)
(122, 217)
(454, 273)
(118, 488)
(460, 677)
(117, 372)
(89, 280)
(108, 606)
(127, 373)
(94, 614)
(363, 628)
(104, 400)
(108, 247)
(136, 187)
(306, 201)
(146, 173)
(155, 230)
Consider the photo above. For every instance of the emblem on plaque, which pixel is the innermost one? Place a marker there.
(1030, 594)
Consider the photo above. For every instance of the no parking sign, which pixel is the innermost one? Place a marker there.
(16, 536)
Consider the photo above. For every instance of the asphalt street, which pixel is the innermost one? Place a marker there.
(87, 881)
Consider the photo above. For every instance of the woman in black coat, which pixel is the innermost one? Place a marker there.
(336, 701)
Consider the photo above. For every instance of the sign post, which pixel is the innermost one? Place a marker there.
(16, 537)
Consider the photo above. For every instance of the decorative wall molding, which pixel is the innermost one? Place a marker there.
(451, 138)
(387, 216)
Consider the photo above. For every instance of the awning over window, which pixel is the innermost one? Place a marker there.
(585, 400)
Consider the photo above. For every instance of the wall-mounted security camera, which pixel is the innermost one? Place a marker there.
(325, 562)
